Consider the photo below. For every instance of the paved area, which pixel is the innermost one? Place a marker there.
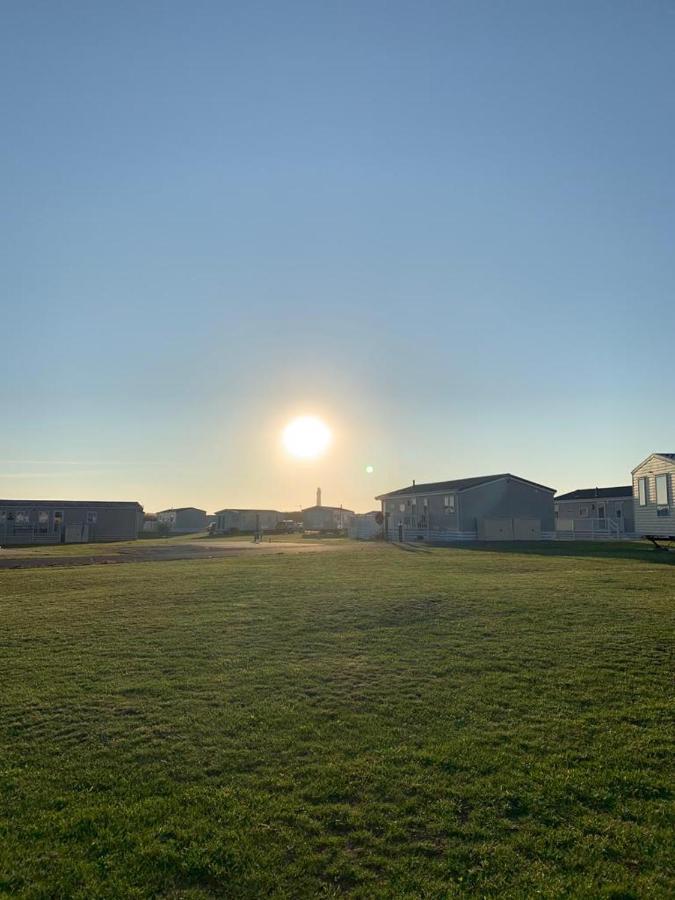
(20, 559)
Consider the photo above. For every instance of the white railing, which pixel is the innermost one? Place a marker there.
(589, 528)
(609, 530)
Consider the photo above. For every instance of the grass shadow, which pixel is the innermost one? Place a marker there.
(641, 551)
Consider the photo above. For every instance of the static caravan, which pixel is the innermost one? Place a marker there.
(68, 521)
(183, 520)
(487, 507)
(247, 520)
(596, 511)
(327, 518)
(654, 496)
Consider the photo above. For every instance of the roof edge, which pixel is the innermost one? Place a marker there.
(646, 459)
(428, 487)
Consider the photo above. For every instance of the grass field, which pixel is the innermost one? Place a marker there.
(365, 721)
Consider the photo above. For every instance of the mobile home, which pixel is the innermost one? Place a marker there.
(654, 496)
(183, 520)
(247, 520)
(68, 521)
(596, 511)
(486, 507)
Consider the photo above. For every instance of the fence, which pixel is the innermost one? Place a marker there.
(26, 534)
(430, 535)
(591, 529)
(598, 530)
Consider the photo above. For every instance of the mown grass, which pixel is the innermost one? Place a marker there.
(364, 722)
(95, 548)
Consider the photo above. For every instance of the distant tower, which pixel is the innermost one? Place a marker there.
(318, 496)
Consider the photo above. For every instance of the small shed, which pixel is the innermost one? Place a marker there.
(366, 526)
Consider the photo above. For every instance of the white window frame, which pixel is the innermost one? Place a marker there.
(663, 481)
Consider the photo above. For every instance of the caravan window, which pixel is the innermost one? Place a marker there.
(642, 491)
(662, 490)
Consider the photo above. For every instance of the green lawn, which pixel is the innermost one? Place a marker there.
(365, 721)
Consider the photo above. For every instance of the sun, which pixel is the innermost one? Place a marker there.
(306, 437)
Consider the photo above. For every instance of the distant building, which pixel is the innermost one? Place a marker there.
(327, 518)
(487, 507)
(247, 520)
(183, 520)
(68, 521)
(654, 495)
(596, 510)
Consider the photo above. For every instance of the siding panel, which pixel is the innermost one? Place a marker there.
(646, 519)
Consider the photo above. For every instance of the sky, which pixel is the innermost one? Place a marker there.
(447, 228)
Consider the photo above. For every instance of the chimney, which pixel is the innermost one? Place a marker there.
(413, 482)
(318, 496)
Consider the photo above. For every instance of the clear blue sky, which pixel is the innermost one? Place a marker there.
(447, 227)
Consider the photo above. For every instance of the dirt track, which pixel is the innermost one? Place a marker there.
(214, 550)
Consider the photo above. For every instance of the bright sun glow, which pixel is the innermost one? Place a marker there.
(306, 437)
